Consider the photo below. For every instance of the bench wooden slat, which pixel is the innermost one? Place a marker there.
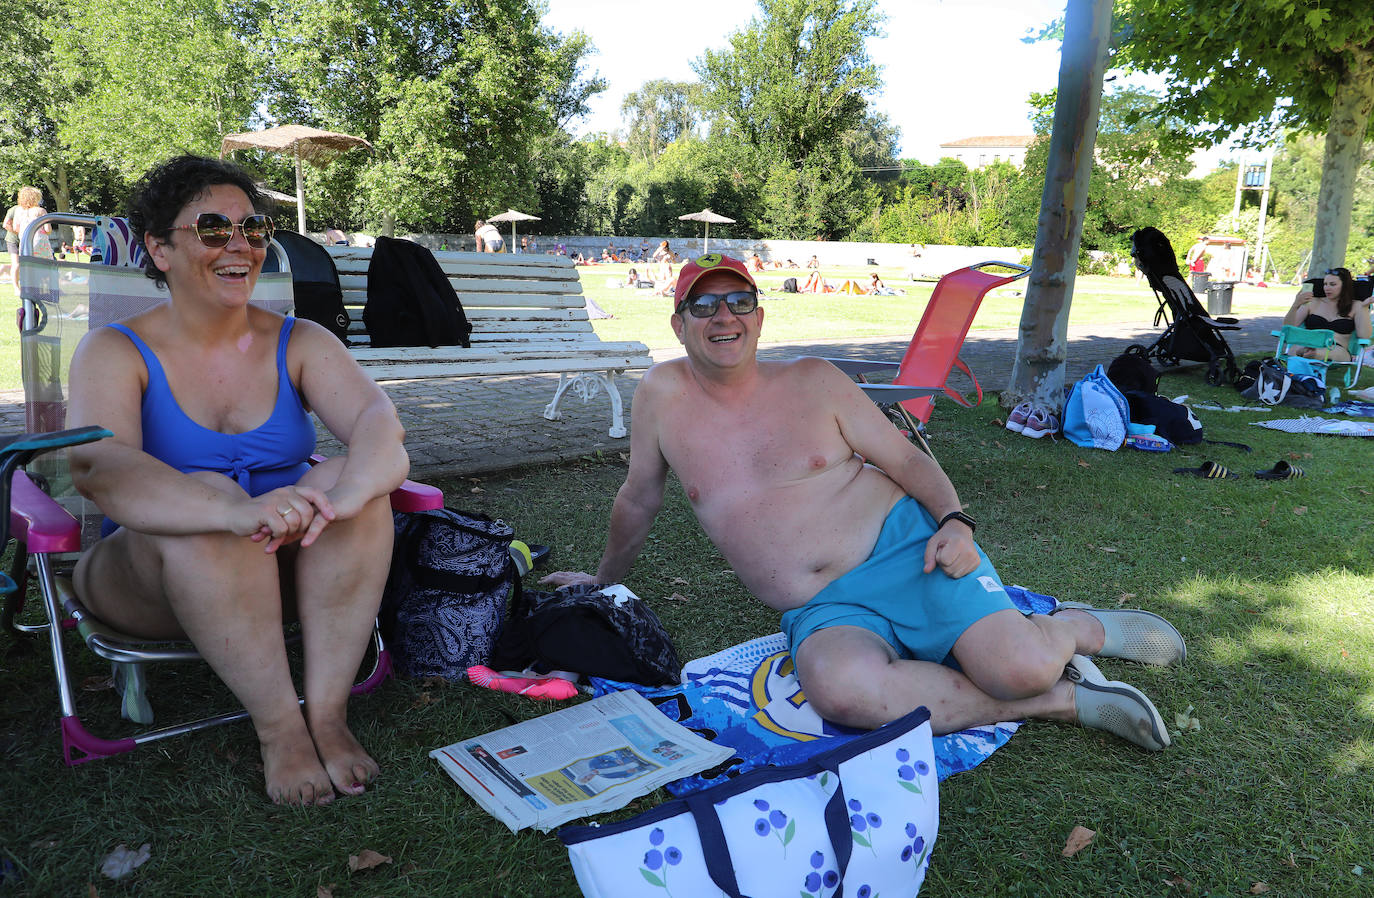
(529, 316)
(412, 370)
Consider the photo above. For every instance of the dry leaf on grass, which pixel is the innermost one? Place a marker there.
(1186, 721)
(324, 891)
(678, 581)
(366, 860)
(1179, 882)
(477, 489)
(122, 861)
(678, 597)
(1300, 509)
(97, 684)
(1083, 464)
(1080, 838)
(1259, 888)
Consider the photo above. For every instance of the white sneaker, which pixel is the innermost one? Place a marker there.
(1040, 424)
(1016, 420)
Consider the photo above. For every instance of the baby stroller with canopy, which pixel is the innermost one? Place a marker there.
(1191, 334)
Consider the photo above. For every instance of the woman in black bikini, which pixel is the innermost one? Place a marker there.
(1337, 312)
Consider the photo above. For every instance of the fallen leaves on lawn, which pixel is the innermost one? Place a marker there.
(324, 891)
(97, 684)
(678, 597)
(678, 581)
(1083, 464)
(1080, 838)
(1300, 509)
(1259, 888)
(366, 860)
(122, 861)
(1179, 882)
(1186, 721)
(477, 489)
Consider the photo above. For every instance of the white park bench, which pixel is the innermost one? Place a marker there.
(528, 316)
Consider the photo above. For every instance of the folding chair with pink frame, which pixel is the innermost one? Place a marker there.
(51, 523)
(933, 353)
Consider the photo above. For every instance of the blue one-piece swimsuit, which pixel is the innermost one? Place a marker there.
(270, 456)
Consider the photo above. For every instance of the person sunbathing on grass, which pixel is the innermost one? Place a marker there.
(887, 602)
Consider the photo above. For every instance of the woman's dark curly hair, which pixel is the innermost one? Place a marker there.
(161, 194)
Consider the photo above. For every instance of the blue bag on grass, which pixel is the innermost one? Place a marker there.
(1096, 415)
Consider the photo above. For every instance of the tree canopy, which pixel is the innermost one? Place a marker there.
(1263, 67)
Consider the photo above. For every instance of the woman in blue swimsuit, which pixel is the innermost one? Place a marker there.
(1337, 312)
(217, 519)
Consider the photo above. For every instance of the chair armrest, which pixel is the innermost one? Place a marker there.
(886, 394)
(1292, 335)
(38, 521)
(412, 496)
(854, 367)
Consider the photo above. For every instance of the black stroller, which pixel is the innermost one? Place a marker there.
(1191, 335)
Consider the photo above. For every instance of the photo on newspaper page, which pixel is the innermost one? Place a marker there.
(586, 759)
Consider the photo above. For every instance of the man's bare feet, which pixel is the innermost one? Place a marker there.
(349, 766)
(293, 771)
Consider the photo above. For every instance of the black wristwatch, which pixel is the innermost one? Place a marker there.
(961, 517)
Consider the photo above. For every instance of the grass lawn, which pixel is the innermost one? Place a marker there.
(643, 315)
(1271, 583)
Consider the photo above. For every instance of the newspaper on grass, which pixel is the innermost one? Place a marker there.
(587, 759)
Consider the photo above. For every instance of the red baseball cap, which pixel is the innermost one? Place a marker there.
(701, 265)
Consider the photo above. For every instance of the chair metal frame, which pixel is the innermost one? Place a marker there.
(933, 353)
(1291, 335)
(49, 537)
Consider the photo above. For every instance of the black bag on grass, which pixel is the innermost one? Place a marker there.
(1132, 371)
(1173, 421)
(591, 630)
(789, 285)
(445, 598)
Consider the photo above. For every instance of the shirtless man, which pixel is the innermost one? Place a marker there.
(887, 601)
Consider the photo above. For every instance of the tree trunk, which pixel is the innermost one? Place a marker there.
(1042, 348)
(1350, 111)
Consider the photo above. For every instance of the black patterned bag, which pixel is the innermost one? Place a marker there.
(445, 598)
(600, 631)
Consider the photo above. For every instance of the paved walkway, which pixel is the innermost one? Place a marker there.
(469, 426)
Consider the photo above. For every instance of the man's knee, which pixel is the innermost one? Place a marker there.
(1009, 657)
(842, 674)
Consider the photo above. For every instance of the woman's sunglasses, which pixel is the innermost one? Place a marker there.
(215, 230)
(704, 305)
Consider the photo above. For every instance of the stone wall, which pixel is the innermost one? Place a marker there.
(933, 260)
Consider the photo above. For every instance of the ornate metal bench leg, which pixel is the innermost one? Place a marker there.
(551, 410)
(587, 385)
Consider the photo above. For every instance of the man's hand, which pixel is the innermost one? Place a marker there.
(951, 547)
(568, 578)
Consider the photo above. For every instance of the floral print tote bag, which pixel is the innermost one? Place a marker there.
(859, 820)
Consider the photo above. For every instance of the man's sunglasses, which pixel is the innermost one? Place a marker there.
(215, 230)
(704, 305)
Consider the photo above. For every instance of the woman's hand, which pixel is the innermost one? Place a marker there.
(284, 516)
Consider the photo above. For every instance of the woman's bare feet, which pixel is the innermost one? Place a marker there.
(349, 766)
(292, 769)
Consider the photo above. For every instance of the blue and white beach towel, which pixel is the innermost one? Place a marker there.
(748, 697)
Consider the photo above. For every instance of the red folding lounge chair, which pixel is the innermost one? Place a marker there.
(50, 522)
(923, 373)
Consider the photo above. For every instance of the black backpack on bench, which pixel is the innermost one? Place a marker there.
(315, 283)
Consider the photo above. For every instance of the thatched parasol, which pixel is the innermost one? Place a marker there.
(512, 216)
(707, 217)
(309, 144)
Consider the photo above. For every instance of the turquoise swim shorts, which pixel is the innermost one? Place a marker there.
(920, 615)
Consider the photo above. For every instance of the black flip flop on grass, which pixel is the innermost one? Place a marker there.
(1210, 470)
(1281, 471)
